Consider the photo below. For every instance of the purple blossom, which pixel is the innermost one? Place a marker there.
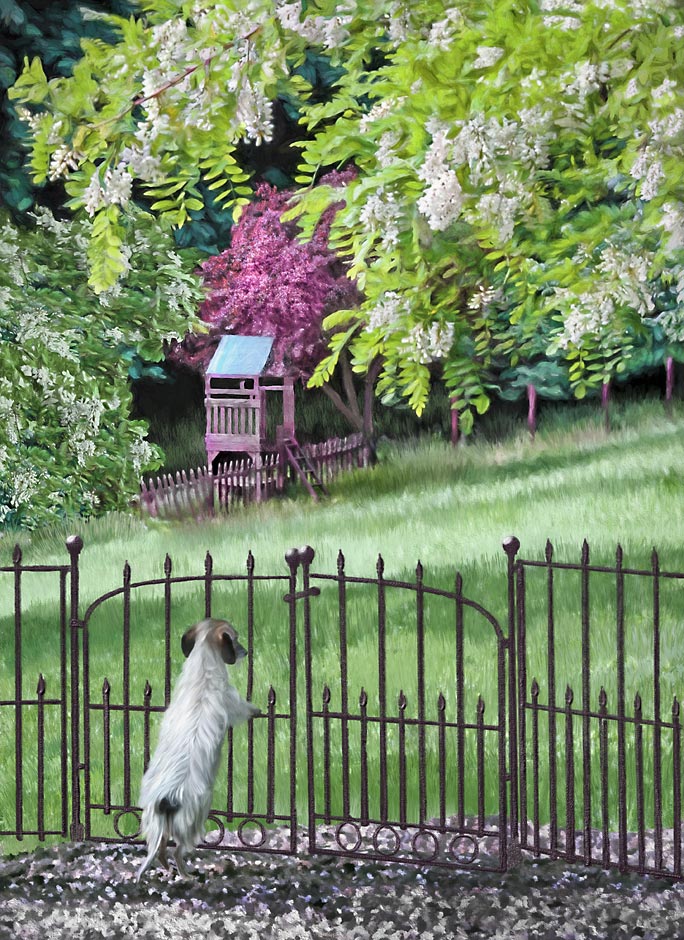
(270, 283)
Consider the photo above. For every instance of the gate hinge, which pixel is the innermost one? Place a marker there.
(77, 624)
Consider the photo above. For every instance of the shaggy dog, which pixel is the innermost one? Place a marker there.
(177, 786)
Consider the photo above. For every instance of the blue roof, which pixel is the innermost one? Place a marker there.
(241, 355)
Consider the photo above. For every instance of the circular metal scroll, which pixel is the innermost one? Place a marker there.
(355, 838)
(257, 826)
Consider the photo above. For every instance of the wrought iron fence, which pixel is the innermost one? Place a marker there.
(372, 743)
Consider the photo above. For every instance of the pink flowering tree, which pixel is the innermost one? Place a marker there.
(270, 283)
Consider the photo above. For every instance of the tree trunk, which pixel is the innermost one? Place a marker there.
(355, 420)
(532, 410)
(669, 383)
(605, 404)
(454, 424)
(370, 379)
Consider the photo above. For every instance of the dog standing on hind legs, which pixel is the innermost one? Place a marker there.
(177, 786)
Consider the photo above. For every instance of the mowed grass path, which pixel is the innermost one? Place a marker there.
(450, 509)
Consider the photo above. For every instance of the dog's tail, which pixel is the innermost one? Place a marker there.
(155, 824)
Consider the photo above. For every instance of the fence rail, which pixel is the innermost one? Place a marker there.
(567, 758)
(205, 492)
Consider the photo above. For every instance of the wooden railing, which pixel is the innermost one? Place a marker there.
(233, 419)
(202, 492)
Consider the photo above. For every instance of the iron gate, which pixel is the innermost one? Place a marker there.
(430, 783)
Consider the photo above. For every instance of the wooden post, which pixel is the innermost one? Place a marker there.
(605, 403)
(288, 406)
(669, 383)
(454, 424)
(532, 410)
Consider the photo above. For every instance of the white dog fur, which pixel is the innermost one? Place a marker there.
(177, 786)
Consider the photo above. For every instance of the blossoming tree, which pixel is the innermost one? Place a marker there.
(270, 283)
(68, 445)
(519, 166)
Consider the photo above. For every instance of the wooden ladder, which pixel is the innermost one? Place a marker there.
(304, 469)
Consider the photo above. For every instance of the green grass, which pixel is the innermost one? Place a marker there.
(450, 508)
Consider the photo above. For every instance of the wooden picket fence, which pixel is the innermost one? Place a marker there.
(202, 492)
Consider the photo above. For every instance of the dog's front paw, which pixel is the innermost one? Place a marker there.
(254, 711)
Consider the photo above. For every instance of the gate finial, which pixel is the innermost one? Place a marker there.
(511, 545)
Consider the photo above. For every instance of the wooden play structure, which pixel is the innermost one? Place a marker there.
(237, 384)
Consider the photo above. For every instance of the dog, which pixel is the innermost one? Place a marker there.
(177, 786)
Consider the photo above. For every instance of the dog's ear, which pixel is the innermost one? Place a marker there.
(188, 640)
(227, 646)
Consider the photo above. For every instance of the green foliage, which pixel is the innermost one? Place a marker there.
(48, 37)
(67, 443)
(520, 167)
(520, 183)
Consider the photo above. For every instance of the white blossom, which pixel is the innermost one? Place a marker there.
(442, 201)
(170, 39)
(380, 109)
(498, 212)
(673, 222)
(621, 280)
(565, 22)
(425, 345)
(632, 88)
(443, 32)
(118, 184)
(651, 182)
(627, 275)
(587, 78)
(141, 454)
(485, 299)
(23, 484)
(142, 162)
(380, 215)
(80, 415)
(389, 308)
(386, 153)
(582, 314)
(399, 25)
(35, 326)
(565, 13)
(255, 112)
(62, 161)
(487, 56)
(326, 31)
(621, 67)
(648, 170)
(115, 189)
(93, 197)
(664, 89)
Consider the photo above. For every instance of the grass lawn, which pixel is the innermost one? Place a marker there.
(450, 509)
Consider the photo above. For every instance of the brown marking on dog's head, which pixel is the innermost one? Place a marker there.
(220, 634)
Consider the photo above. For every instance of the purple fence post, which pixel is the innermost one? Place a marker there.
(74, 546)
(511, 546)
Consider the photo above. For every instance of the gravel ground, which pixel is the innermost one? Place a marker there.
(89, 891)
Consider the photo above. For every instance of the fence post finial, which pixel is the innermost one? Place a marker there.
(511, 545)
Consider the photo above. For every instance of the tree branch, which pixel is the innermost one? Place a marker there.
(354, 420)
(369, 394)
(174, 81)
(348, 382)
